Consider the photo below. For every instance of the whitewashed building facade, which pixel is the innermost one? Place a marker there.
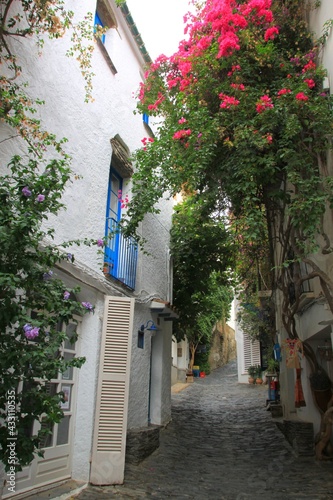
(125, 382)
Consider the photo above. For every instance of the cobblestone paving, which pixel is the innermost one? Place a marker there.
(222, 445)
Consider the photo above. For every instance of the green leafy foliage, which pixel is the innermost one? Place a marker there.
(246, 122)
(203, 257)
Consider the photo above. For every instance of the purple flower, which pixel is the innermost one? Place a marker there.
(40, 198)
(100, 243)
(30, 332)
(70, 256)
(295, 60)
(66, 295)
(48, 275)
(88, 306)
(26, 191)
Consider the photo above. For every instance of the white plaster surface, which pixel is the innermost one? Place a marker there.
(89, 127)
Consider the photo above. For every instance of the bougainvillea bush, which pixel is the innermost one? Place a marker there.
(246, 120)
(35, 306)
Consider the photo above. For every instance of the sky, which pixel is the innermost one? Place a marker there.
(160, 24)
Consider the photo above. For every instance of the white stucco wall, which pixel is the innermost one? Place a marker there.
(89, 127)
(318, 18)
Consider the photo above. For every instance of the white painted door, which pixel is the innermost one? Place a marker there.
(108, 457)
(56, 464)
(251, 352)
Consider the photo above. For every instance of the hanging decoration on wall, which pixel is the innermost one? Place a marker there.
(294, 354)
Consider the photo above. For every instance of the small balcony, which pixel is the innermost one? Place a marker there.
(121, 256)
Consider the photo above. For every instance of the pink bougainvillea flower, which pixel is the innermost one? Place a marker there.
(234, 68)
(228, 101)
(182, 120)
(310, 82)
(270, 33)
(124, 203)
(283, 92)
(301, 97)
(309, 67)
(269, 138)
(160, 99)
(40, 198)
(66, 295)
(264, 103)
(238, 86)
(100, 243)
(181, 134)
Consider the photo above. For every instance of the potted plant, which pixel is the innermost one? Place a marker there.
(258, 375)
(273, 366)
(252, 372)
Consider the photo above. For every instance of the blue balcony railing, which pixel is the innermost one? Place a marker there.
(121, 255)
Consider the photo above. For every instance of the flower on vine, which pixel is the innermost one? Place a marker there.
(238, 86)
(283, 92)
(66, 295)
(264, 103)
(160, 99)
(227, 101)
(295, 60)
(70, 257)
(301, 97)
(88, 306)
(40, 198)
(100, 243)
(270, 33)
(182, 120)
(269, 138)
(48, 275)
(26, 192)
(31, 332)
(309, 66)
(181, 134)
(234, 68)
(310, 82)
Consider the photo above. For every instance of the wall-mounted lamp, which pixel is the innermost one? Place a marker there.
(150, 326)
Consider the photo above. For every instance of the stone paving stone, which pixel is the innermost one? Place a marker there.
(222, 444)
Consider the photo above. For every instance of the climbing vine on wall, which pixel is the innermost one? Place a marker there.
(246, 120)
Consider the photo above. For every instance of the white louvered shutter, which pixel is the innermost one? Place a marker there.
(251, 352)
(108, 457)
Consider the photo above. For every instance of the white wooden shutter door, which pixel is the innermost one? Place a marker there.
(251, 352)
(108, 457)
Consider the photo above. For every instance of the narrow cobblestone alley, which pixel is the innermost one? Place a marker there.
(222, 445)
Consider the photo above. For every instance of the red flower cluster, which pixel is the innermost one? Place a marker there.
(233, 69)
(309, 67)
(237, 86)
(182, 134)
(227, 101)
(160, 99)
(310, 83)
(301, 97)
(264, 103)
(270, 33)
(145, 141)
